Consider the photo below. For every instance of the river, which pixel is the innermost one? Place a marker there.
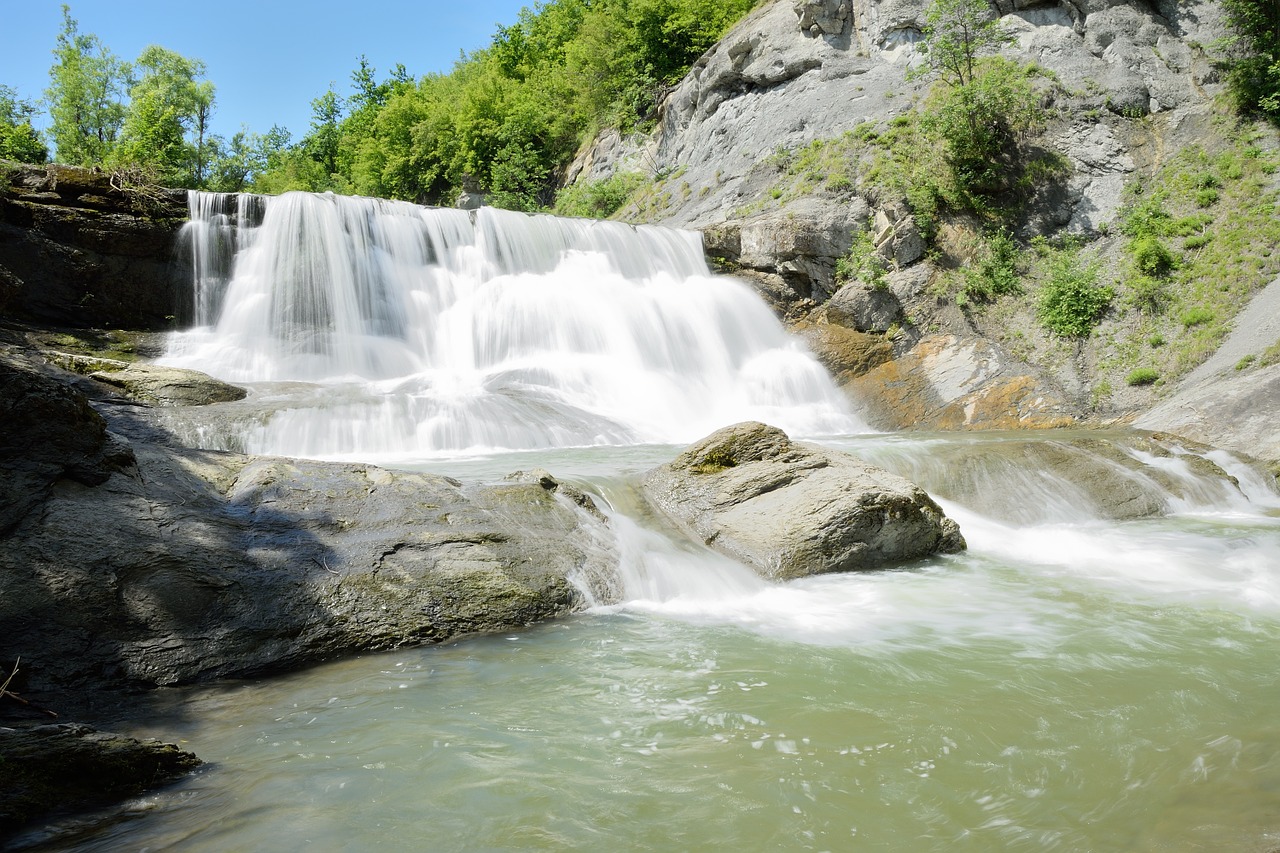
(1075, 681)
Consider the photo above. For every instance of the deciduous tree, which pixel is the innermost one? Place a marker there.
(87, 84)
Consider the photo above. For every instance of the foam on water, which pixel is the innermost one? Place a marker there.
(440, 334)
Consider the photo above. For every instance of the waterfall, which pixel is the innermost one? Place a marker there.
(423, 331)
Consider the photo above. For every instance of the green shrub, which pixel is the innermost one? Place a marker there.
(1206, 197)
(1071, 301)
(1245, 361)
(1142, 376)
(1197, 316)
(598, 199)
(1195, 241)
(1151, 257)
(1149, 294)
(1156, 341)
(862, 262)
(995, 271)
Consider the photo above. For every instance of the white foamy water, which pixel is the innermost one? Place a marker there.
(438, 335)
(1072, 682)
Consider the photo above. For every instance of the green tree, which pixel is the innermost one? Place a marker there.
(981, 104)
(18, 139)
(85, 96)
(236, 165)
(323, 142)
(166, 127)
(957, 34)
(1254, 63)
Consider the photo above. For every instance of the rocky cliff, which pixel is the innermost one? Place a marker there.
(764, 147)
(82, 248)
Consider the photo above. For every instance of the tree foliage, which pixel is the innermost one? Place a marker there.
(86, 92)
(166, 127)
(18, 139)
(506, 121)
(1254, 64)
(957, 34)
(509, 118)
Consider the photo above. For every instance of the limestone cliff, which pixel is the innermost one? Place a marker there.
(749, 149)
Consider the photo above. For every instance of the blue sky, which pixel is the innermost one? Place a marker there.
(268, 59)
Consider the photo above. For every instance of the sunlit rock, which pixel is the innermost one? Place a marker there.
(791, 510)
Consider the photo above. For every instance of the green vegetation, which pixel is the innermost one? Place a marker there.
(1142, 376)
(506, 121)
(1253, 64)
(994, 272)
(85, 95)
(18, 139)
(1070, 301)
(598, 199)
(862, 263)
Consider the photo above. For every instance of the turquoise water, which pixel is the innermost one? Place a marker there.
(1065, 685)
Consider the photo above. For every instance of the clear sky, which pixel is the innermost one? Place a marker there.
(268, 59)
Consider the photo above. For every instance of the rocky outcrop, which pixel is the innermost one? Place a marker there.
(949, 382)
(791, 510)
(80, 248)
(71, 766)
(1232, 400)
(152, 383)
(153, 564)
(1238, 411)
(51, 435)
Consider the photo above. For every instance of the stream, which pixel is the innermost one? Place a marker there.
(1077, 680)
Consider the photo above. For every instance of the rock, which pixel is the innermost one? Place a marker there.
(863, 307)
(72, 766)
(152, 383)
(844, 352)
(802, 246)
(169, 386)
(791, 510)
(196, 565)
(823, 17)
(77, 251)
(50, 434)
(948, 382)
(1236, 411)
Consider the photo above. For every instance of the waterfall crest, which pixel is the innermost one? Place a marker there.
(437, 330)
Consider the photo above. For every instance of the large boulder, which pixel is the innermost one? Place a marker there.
(155, 384)
(791, 510)
(69, 765)
(184, 565)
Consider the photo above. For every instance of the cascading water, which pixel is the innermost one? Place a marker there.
(1096, 673)
(429, 332)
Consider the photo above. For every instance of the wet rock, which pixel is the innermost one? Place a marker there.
(72, 766)
(152, 383)
(792, 510)
(78, 250)
(194, 565)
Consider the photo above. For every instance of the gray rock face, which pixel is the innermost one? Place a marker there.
(770, 84)
(791, 510)
(193, 565)
(864, 308)
(69, 765)
(77, 251)
(151, 383)
(50, 434)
